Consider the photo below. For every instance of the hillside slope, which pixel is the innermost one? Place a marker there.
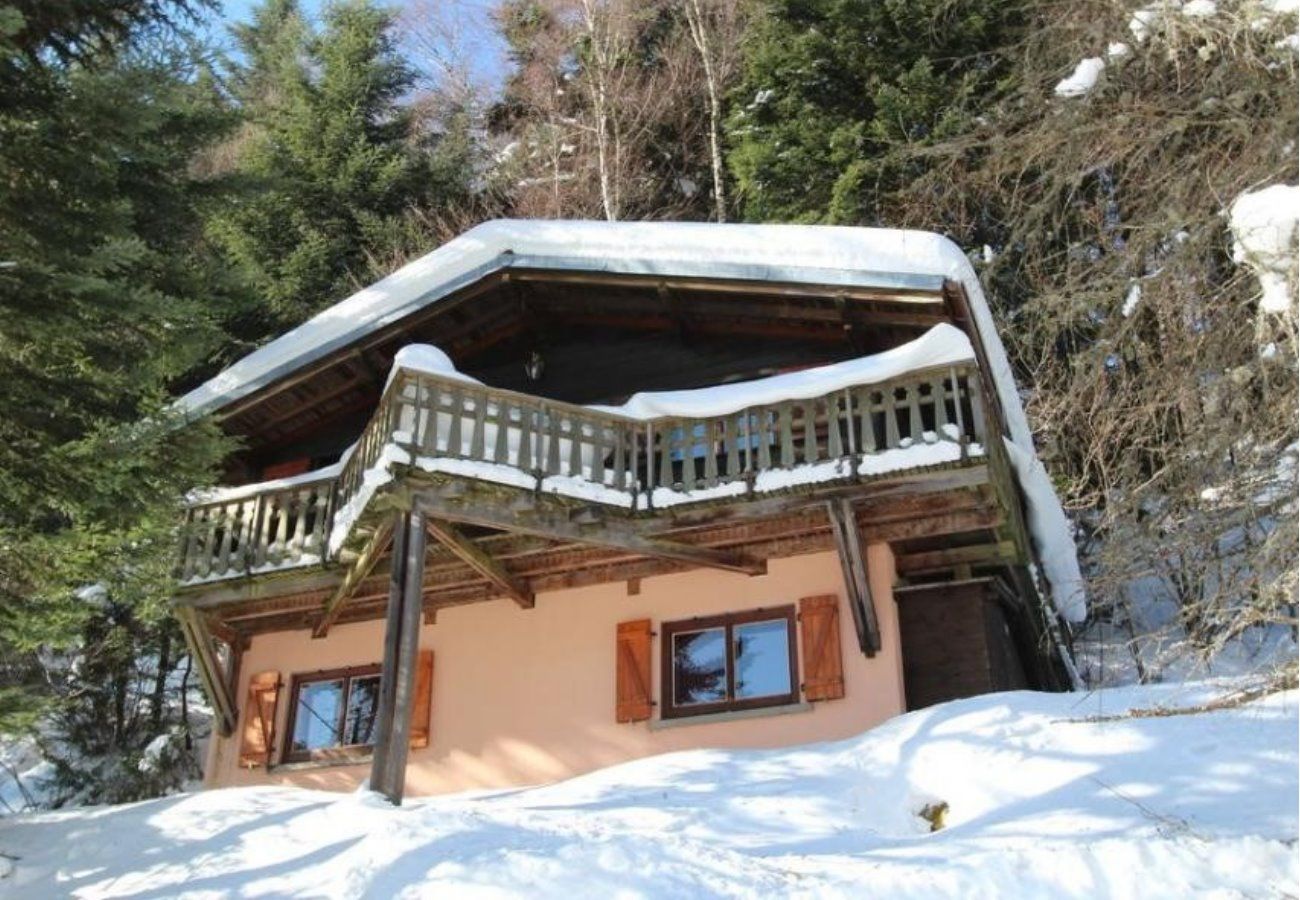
(1048, 795)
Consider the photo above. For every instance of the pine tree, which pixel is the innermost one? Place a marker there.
(838, 94)
(107, 295)
(330, 157)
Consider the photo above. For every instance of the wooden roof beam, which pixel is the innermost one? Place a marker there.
(477, 559)
(1002, 552)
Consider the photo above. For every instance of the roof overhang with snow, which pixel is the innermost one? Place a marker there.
(904, 266)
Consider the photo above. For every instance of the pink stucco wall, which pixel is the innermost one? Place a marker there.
(527, 696)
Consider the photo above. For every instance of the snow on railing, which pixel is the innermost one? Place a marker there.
(456, 425)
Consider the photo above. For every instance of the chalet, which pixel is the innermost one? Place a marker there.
(564, 494)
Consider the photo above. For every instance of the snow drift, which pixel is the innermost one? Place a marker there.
(1046, 796)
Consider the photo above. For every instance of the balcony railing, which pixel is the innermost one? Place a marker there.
(441, 423)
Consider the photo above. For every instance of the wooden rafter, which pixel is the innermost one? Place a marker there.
(477, 559)
(357, 572)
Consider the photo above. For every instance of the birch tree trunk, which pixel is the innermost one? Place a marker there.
(695, 20)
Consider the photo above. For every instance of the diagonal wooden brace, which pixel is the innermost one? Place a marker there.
(216, 683)
(477, 559)
(357, 572)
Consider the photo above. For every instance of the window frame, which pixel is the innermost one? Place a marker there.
(339, 751)
(728, 622)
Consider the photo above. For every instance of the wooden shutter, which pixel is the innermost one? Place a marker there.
(258, 738)
(632, 672)
(819, 627)
(422, 701)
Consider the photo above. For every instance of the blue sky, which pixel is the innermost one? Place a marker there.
(482, 46)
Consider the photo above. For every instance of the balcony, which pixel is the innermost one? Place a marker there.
(643, 465)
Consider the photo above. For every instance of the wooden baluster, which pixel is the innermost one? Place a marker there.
(666, 442)
(236, 535)
(282, 530)
(209, 541)
(849, 423)
(428, 402)
(834, 440)
(692, 462)
(733, 449)
(891, 417)
(260, 526)
(866, 412)
(915, 424)
(711, 428)
(810, 454)
(524, 452)
(785, 427)
(977, 408)
(225, 521)
(479, 436)
(577, 440)
(764, 421)
(539, 438)
(297, 501)
(959, 415)
(633, 442)
(455, 438)
(501, 453)
(244, 540)
(747, 432)
(319, 500)
(940, 402)
(649, 458)
(618, 435)
(553, 429)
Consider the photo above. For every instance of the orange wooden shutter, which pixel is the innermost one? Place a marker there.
(422, 701)
(259, 720)
(632, 672)
(819, 619)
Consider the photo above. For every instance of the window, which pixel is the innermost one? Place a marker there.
(332, 713)
(730, 662)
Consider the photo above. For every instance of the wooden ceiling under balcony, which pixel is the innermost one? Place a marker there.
(601, 337)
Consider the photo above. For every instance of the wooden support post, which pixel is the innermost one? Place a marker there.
(848, 541)
(401, 649)
(215, 683)
(477, 559)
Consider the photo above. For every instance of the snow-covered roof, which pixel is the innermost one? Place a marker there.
(852, 257)
(809, 254)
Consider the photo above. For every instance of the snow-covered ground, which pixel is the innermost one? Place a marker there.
(1047, 796)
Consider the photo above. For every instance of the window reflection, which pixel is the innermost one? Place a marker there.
(315, 723)
(762, 654)
(363, 700)
(699, 667)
